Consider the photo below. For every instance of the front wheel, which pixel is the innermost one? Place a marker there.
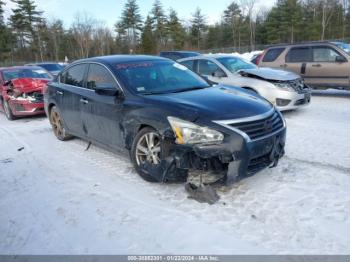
(146, 149)
(8, 112)
(57, 125)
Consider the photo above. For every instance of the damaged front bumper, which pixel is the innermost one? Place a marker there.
(238, 156)
(26, 106)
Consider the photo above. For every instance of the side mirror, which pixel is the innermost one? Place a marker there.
(340, 59)
(206, 79)
(107, 90)
(219, 74)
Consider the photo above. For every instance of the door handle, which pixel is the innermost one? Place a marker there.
(59, 93)
(317, 65)
(284, 65)
(84, 101)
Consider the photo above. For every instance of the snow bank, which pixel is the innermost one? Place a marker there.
(246, 56)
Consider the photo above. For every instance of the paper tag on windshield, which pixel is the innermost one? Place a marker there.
(179, 66)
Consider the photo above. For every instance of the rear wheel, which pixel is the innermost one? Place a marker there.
(57, 125)
(146, 147)
(8, 112)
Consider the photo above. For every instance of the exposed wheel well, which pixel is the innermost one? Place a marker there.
(131, 136)
(143, 126)
(50, 107)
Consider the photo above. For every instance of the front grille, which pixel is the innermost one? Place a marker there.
(298, 85)
(300, 102)
(37, 97)
(262, 127)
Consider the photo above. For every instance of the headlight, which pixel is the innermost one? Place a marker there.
(189, 133)
(286, 86)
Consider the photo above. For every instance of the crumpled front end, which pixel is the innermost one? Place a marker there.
(25, 96)
(250, 145)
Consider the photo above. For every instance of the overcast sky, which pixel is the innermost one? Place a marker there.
(109, 10)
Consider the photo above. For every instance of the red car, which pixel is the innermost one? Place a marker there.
(21, 90)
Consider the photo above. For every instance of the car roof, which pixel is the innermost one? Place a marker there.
(19, 67)
(180, 52)
(117, 59)
(44, 63)
(214, 56)
(301, 44)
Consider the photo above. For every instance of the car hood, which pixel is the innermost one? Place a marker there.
(27, 85)
(269, 74)
(215, 103)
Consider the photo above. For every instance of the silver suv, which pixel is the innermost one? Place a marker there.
(283, 89)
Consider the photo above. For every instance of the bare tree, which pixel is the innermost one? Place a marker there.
(327, 7)
(103, 39)
(82, 28)
(248, 8)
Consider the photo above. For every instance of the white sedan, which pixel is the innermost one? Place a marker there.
(283, 89)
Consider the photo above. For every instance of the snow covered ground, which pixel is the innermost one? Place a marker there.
(56, 198)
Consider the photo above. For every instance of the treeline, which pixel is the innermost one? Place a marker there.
(27, 36)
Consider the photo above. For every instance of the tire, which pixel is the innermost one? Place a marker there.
(141, 153)
(57, 125)
(8, 112)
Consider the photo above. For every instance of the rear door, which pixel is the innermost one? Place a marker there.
(102, 114)
(324, 70)
(69, 93)
(297, 59)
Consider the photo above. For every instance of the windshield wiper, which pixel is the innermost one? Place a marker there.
(188, 89)
(175, 91)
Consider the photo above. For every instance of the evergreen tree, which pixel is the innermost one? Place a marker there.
(176, 32)
(131, 22)
(148, 43)
(2, 13)
(159, 20)
(232, 22)
(5, 36)
(24, 21)
(285, 22)
(198, 27)
(216, 36)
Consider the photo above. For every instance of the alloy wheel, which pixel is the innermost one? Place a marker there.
(56, 124)
(148, 149)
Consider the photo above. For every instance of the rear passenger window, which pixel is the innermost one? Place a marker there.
(74, 76)
(189, 64)
(272, 54)
(99, 76)
(299, 54)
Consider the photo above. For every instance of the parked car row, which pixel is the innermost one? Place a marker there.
(169, 118)
(217, 113)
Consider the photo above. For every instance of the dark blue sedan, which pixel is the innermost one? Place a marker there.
(168, 118)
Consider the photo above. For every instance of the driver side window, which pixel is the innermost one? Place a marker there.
(324, 54)
(208, 68)
(99, 76)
